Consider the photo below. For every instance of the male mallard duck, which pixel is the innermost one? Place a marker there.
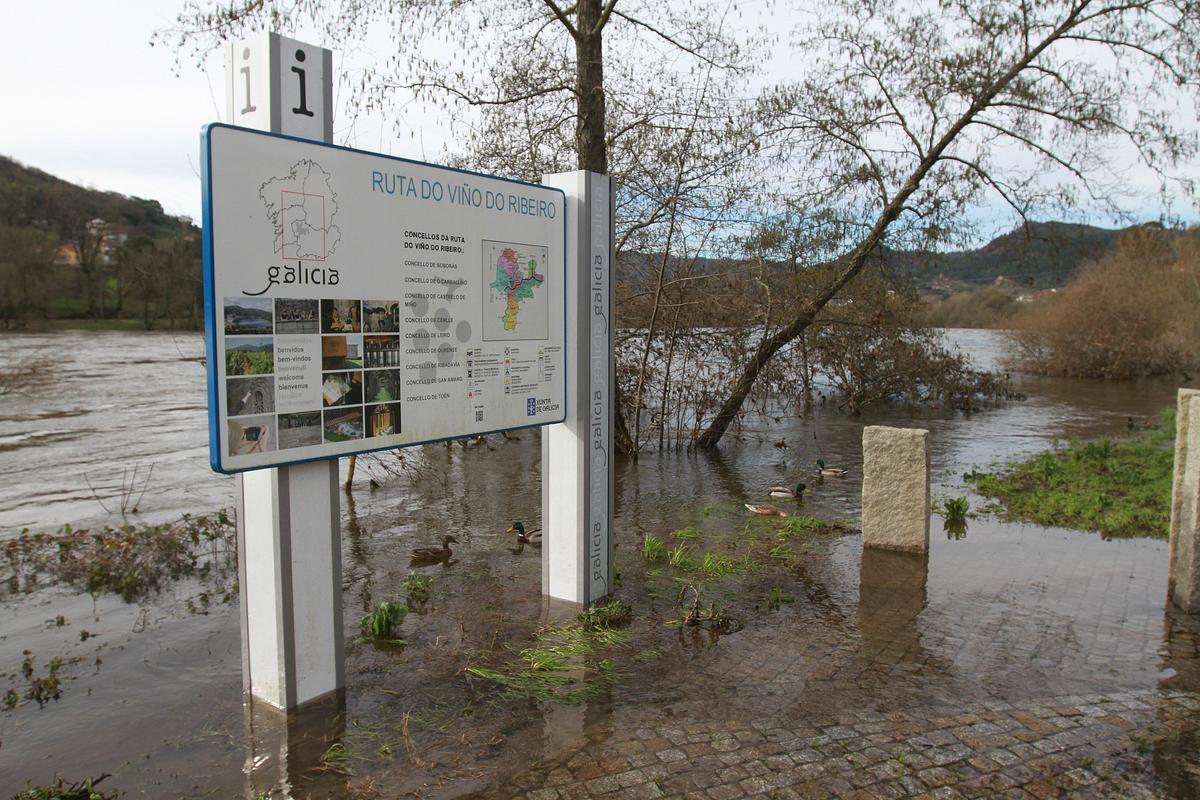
(765, 510)
(433, 555)
(534, 537)
(829, 471)
(783, 491)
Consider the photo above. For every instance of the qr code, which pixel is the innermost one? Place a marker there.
(479, 415)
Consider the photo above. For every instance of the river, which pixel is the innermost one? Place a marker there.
(120, 423)
(1011, 613)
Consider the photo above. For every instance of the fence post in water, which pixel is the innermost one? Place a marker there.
(289, 519)
(1184, 571)
(895, 491)
(577, 454)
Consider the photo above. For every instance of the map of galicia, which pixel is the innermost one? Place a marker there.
(518, 297)
(302, 206)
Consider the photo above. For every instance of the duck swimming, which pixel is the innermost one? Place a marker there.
(829, 471)
(533, 537)
(433, 555)
(783, 491)
(765, 510)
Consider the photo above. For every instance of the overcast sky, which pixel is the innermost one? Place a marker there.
(89, 100)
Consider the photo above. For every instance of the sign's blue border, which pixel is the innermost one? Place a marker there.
(210, 300)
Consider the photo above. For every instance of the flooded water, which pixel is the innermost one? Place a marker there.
(1012, 621)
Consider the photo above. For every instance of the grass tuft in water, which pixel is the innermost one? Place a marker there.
(653, 549)
(718, 565)
(681, 557)
(688, 533)
(61, 790)
(953, 509)
(776, 597)
(382, 622)
(783, 552)
(801, 526)
(416, 586)
(564, 666)
(607, 615)
(1120, 488)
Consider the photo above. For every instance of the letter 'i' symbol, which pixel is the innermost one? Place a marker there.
(246, 71)
(303, 109)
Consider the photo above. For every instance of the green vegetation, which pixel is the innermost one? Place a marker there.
(101, 260)
(554, 668)
(718, 565)
(40, 689)
(653, 549)
(383, 620)
(954, 509)
(242, 362)
(688, 533)
(61, 790)
(562, 667)
(776, 597)
(801, 526)
(783, 552)
(130, 560)
(612, 614)
(417, 587)
(681, 557)
(1117, 487)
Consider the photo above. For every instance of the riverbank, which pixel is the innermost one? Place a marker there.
(1118, 487)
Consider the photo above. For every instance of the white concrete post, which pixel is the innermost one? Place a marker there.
(577, 455)
(1184, 570)
(895, 491)
(289, 519)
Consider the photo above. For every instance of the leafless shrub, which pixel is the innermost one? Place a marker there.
(1134, 313)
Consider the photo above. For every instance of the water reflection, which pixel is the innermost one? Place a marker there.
(891, 596)
(1176, 751)
(955, 529)
(285, 753)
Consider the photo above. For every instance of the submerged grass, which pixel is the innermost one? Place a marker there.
(61, 790)
(382, 622)
(564, 665)
(653, 549)
(133, 561)
(1121, 487)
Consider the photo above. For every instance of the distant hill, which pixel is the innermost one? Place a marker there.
(36, 199)
(1038, 256)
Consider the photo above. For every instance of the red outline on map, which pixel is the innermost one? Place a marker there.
(324, 230)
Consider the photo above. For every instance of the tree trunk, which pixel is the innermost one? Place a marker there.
(590, 141)
(768, 347)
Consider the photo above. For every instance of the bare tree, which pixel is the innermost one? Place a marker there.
(894, 134)
(25, 260)
(562, 80)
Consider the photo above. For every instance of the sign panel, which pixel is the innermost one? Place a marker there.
(359, 302)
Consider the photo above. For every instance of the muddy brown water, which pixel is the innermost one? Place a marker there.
(153, 696)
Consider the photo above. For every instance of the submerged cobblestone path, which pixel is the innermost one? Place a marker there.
(1095, 745)
(1003, 669)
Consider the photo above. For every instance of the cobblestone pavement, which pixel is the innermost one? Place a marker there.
(1098, 745)
(1006, 669)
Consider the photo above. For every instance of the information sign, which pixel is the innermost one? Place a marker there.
(357, 302)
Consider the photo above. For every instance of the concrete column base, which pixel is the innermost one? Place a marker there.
(1184, 570)
(895, 492)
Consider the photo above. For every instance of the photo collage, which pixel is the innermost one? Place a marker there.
(277, 399)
